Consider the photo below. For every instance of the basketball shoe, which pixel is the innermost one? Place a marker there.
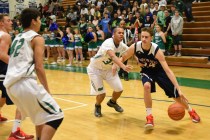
(20, 135)
(194, 116)
(149, 124)
(118, 108)
(2, 119)
(97, 111)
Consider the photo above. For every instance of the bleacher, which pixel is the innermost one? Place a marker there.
(196, 37)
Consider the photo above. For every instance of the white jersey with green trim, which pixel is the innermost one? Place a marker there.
(102, 60)
(21, 62)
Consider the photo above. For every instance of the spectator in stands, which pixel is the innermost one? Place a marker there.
(105, 26)
(159, 37)
(92, 45)
(84, 10)
(92, 9)
(147, 22)
(167, 32)
(180, 6)
(97, 13)
(71, 17)
(152, 7)
(89, 16)
(128, 41)
(177, 29)
(114, 22)
(137, 23)
(95, 21)
(129, 20)
(40, 7)
(143, 7)
(161, 15)
(156, 8)
(172, 10)
(125, 4)
(188, 10)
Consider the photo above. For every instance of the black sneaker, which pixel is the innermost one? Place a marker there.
(126, 79)
(115, 106)
(97, 111)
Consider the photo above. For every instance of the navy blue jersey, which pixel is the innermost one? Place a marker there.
(147, 57)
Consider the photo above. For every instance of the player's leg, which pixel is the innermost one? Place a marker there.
(97, 88)
(149, 86)
(115, 83)
(170, 90)
(47, 131)
(16, 131)
(2, 100)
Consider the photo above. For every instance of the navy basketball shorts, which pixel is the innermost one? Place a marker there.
(163, 81)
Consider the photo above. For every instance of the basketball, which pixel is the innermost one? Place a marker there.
(176, 111)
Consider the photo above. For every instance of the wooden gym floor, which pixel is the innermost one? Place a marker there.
(70, 87)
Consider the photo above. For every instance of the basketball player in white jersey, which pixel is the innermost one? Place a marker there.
(26, 58)
(5, 41)
(100, 68)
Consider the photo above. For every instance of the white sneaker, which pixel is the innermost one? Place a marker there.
(68, 65)
(53, 63)
(80, 62)
(179, 54)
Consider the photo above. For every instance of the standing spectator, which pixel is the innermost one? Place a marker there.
(180, 6)
(188, 10)
(161, 15)
(159, 37)
(114, 22)
(105, 25)
(78, 46)
(128, 41)
(70, 46)
(100, 36)
(177, 29)
(167, 32)
(92, 45)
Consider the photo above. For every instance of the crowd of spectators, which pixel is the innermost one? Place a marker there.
(107, 14)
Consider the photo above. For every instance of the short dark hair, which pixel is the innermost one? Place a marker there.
(2, 16)
(147, 29)
(27, 15)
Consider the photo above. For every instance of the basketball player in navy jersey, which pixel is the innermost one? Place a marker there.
(155, 69)
(5, 41)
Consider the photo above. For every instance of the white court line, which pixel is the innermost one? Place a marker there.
(69, 101)
(69, 108)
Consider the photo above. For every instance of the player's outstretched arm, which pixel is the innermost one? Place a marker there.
(117, 61)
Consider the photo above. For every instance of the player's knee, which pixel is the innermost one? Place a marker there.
(147, 86)
(55, 124)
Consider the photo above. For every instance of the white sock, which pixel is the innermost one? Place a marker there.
(16, 125)
(149, 111)
(189, 108)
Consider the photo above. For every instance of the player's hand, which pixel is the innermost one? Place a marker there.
(182, 97)
(128, 68)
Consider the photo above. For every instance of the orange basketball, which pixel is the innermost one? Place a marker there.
(176, 111)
